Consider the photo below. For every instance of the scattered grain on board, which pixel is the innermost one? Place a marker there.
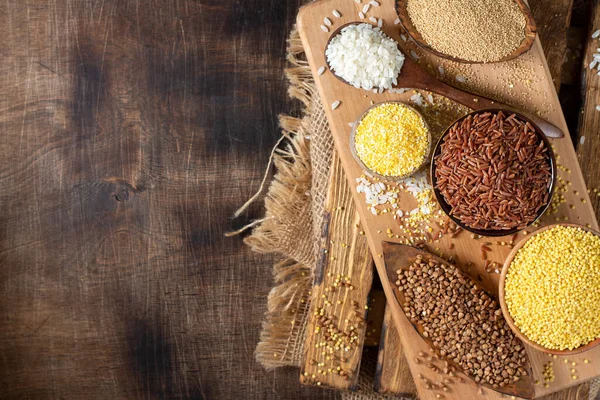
(336, 14)
(335, 104)
(324, 28)
(473, 30)
(321, 70)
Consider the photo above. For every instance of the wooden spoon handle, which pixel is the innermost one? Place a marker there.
(476, 102)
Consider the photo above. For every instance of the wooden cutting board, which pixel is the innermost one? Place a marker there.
(524, 83)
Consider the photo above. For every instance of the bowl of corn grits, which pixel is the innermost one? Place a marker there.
(391, 140)
(549, 289)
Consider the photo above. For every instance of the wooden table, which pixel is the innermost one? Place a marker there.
(129, 133)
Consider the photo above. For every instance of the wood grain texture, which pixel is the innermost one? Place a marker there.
(393, 373)
(588, 144)
(552, 19)
(541, 98)
(130, 131)
(342, 283)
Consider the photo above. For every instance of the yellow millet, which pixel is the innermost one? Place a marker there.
(392, 140)
(552, 288)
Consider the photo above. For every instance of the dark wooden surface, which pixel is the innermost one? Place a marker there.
(129, 132)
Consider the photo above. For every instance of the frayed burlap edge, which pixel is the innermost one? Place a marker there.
(288, 227)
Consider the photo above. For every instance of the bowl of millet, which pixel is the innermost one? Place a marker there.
(549, 289)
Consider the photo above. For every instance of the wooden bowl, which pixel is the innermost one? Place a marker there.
(530, 34)
(401, 256)
(446, 207)
(362, 164)
(502, 300)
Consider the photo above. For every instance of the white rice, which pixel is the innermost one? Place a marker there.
(596, 34)
(324, 28)
(380, 23)
(321, 70)
(441, 69)
(366, 8)
(461, 78)
(374, 3)
(336, 14)
(414, 54)
(418, 99)
(396, 21)
(361, 15)
(357, 1)
(365, 57)
(335, 104)
(597, 108)
(403, 37)
(327, 21)
(582, 140)
(373, 20)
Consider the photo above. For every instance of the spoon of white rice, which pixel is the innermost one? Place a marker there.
(365, 57)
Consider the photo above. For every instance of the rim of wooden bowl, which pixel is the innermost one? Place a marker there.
(446, 207)
(530, 34)
(369, 170)
(502, 300)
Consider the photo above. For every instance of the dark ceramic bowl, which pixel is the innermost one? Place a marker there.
(492, 232)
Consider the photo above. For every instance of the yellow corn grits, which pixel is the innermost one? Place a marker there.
(392, 140)
(552, 288)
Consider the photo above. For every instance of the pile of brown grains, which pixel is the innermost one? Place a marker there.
(464, 324)
(473, 30)
(494, 171)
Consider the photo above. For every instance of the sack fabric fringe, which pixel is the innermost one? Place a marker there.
(286, 318)
(288, 229)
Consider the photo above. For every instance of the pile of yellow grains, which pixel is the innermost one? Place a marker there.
(552, 288)
(392, 140)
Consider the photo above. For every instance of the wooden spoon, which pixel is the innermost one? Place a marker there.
(413, 76)
(528, 39)
(400, 256)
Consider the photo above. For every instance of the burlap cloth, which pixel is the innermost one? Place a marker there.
(294, 206)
